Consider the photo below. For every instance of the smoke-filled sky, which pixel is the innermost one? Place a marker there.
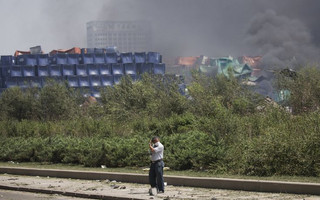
(280, 30)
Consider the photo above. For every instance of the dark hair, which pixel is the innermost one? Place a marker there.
(154, 138)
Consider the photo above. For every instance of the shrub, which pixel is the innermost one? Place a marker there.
(193, 150)
(217, 128)
(16, 104)
(57, 102)
(304, 87)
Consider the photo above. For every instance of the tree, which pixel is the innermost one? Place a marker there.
(18, 104)
(210, 93)
(304, 89)
(57, 102)
(151, 96)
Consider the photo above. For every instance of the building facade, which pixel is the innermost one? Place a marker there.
(127, 36)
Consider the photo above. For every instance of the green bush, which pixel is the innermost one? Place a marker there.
(57, 102)
(193, 150)
(16, 104)
(304, 89)
(217, 128)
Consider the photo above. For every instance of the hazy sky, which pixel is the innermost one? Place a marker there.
(275, 28)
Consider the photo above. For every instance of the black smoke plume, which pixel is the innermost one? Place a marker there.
(283, 42)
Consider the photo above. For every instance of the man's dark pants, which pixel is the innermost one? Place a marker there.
(156, 175)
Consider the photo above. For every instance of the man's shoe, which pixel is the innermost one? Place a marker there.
(153, 191)
(161, 191)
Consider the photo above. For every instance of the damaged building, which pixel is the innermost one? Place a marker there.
(86, 69)
(246, 68)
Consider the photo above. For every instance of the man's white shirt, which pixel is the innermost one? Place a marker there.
(157, 154)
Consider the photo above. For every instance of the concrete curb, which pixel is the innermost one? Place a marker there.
(217, 183)
(65, 193)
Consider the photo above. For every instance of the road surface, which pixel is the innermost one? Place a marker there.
(128, 190)
(15, 195)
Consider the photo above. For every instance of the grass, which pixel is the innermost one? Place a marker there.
(138, 170)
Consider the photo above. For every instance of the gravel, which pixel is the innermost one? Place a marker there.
(114, 188)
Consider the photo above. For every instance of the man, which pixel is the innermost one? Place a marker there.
(157, 164)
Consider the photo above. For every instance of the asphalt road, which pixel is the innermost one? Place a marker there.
(15, 195)
(128, 190)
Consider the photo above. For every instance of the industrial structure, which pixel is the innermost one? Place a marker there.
(127, 36)
(86, 69)
(247, 69)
